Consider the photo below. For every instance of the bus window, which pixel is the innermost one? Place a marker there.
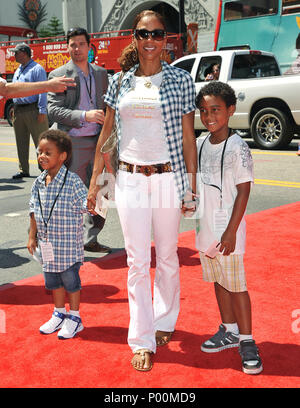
(187, 64)
(254, 66)
(205, 66)
(235, 10)
(275, 31)
(290, 6)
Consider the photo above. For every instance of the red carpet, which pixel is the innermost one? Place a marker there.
(100, 357)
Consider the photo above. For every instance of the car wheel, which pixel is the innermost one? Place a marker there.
(243, 132)
(270, 129)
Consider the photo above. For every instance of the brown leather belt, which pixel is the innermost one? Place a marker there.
(147, 169)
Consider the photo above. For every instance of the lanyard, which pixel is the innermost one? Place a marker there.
(22, 69)
(89, 89)
(222, 165)
(54, 202)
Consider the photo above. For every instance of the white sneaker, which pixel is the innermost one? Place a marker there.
(55, 323)
(71, 326)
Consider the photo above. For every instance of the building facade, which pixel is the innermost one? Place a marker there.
(104, 15)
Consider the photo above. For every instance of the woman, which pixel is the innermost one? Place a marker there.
(213, 72)
(155, 118)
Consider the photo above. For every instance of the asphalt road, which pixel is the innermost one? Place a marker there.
(277, 182)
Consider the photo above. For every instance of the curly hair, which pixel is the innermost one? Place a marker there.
(217, 88)
(62, 141)
(129, 56)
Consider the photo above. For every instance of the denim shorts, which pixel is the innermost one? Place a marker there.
(68, 279)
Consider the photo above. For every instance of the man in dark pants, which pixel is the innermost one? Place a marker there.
(80, 112)
(30, 112)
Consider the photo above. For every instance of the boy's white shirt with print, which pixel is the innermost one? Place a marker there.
(237, 169)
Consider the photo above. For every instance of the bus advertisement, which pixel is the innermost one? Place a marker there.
(51, 53)
(266, 25)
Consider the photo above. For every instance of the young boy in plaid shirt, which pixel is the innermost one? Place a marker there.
(57, 204)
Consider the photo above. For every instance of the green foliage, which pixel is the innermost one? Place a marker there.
(52, 29)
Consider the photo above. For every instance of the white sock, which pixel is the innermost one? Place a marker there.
(75, 313)
(232, 327)
(246, 337)
(60, 310)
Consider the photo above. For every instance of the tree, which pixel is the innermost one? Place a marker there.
(52, 29)
(32, 13)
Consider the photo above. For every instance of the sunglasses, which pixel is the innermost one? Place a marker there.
(157, 34)
(78, 30)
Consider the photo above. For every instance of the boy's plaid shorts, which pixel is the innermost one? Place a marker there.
(228, 271)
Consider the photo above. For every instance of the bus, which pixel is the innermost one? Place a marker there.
(52, 52)
(266, 25)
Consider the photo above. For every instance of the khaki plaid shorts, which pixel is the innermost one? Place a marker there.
(227, 271)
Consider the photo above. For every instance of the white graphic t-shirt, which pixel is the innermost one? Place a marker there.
(237, 169)
(143, 140)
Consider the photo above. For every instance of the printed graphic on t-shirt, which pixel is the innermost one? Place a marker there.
(143, 137)
(143, 107)
(211, 166)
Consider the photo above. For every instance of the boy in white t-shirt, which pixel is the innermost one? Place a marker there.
(224, 182)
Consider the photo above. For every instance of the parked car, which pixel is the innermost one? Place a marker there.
(268, 106)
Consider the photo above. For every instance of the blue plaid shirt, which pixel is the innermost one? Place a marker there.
(65, 227)
(177, 95)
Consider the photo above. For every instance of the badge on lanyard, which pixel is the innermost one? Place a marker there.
(47, 251)
(46, 246)
(220, 216)
(220, 219)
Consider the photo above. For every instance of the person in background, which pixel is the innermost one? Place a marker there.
(30, 112)
(80, 112)
(155, 118)
(214, 73)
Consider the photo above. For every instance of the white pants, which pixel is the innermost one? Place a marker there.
(145, 202)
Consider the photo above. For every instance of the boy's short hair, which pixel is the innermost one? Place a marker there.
(217, 88)
(62, 140)
(72, 32)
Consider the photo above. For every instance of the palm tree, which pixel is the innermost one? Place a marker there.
(32, 13)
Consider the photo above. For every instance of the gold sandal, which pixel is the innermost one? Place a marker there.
(163, 337)
(142, 352)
